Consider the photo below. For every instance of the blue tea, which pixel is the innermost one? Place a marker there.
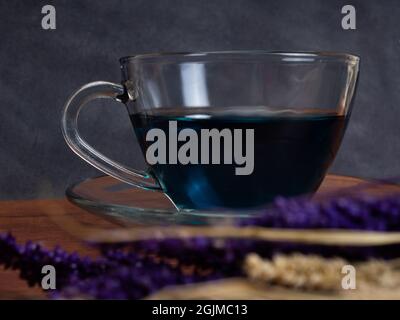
(291, 153)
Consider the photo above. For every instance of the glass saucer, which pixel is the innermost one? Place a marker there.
(128, 205)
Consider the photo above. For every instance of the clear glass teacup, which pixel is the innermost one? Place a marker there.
(225, 130)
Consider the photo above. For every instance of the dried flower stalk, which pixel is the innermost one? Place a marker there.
(311, 272)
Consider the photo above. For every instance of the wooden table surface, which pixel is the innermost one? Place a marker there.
(29, 220)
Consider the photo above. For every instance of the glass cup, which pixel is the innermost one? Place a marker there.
(226, 130)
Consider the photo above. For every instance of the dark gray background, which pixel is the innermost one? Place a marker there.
(39, 69)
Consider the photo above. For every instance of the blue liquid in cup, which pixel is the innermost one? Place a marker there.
(292, 152)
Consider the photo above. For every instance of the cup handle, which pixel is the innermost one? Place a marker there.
(69, 126)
